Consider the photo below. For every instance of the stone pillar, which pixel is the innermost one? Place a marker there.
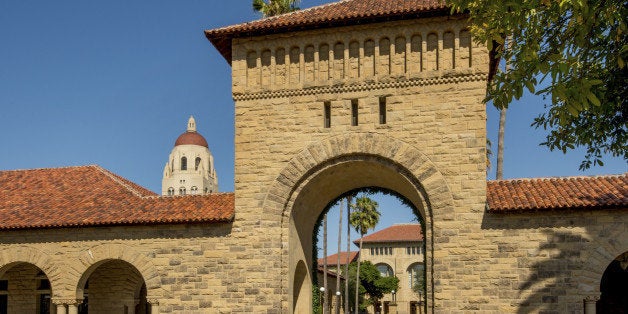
(60, 305)
(154, 306)
(589, 305)
(73, 307)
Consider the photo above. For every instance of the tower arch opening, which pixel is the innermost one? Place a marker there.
(340, 176)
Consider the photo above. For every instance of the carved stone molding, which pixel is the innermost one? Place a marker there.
(360, 87)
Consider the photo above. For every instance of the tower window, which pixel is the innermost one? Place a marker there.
(170, 191)
(382, 110)
(184, 163)
(354, 112)
(181, 191)
(197, 163)
(193, 190)
(327, 114)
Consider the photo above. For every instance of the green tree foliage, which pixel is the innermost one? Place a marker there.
(574, 54)
(275, 7)
(372, 285)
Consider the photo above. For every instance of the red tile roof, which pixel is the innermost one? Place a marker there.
(93, 196)
(598, 192)
(332, 260)
(346, 12)
(395, 233)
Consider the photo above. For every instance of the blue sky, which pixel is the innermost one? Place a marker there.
(113, 83)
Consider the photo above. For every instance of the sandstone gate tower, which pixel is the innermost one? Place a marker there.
(328, 100)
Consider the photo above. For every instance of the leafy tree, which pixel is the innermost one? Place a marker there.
(364, 216)
(372, 285)
(275, 7)
(571, 52)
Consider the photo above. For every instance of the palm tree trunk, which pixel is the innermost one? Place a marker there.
(338, 259)
(500, 144)
(324, 303)
(502, 124)
(357, 275)
(348, 255)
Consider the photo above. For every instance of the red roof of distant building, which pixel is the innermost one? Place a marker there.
(191, 138)
(347, 12)
(395, 233)
(93, 196)
(598, 192)
(332, 260)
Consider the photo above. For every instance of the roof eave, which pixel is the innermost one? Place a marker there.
(222, 38)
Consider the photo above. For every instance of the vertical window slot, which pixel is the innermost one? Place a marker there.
(382, 110)
(327, 118)
(354, 112)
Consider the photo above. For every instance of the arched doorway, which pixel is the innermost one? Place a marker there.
(113, 286)
(337, 177)
(24, 288)
(614, 287)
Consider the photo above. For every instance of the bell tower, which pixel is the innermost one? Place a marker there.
(190, 166)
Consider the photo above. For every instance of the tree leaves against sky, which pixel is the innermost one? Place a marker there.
(270, 8)
(573, 53)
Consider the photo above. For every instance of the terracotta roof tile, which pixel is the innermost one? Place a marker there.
(395, 233)
(346, 12)
(332, 260)
(598, 192)
(93, 196)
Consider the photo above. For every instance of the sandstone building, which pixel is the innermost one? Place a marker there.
(350, 95)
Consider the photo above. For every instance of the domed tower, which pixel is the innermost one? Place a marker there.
(190, 167)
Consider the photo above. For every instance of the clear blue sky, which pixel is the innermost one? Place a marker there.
(113, 83)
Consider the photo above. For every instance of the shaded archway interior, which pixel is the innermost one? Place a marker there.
(24, 288)
(614, 286)
(112, 286)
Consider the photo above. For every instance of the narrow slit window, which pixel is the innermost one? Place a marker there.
(382, 110)
(354, 112)
(327, 114)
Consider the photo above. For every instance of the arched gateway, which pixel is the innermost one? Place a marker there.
(341, 166)
(392, 102)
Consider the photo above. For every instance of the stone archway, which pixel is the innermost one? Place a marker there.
(329, 168)
(614, 286)
(126, 260)
(24, 288)
(112, 286)
(32, 258)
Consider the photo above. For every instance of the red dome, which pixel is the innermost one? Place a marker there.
(191, 138)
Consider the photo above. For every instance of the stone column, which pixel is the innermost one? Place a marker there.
(73, 307)
(60, 305)
(154, 306)
(589, 305)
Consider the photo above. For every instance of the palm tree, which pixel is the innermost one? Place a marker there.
(365, 216)
(275, 7)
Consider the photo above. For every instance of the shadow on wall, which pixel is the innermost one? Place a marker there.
(554, 260)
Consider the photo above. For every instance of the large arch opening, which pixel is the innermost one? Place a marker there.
(334, 179)
(24, 288)
(614, 287)
(112, 286)
(390, 247)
